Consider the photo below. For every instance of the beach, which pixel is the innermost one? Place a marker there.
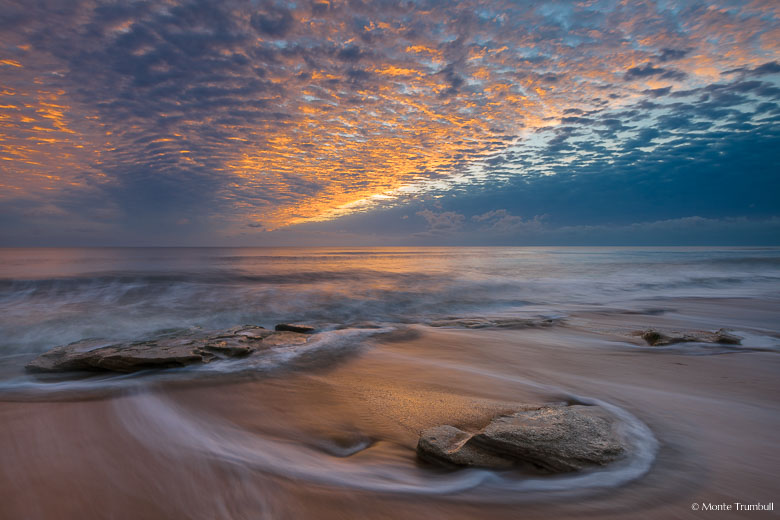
(330, 430)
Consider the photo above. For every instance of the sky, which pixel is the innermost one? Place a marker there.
(317, 123)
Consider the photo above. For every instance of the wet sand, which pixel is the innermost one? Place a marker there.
(335, 437)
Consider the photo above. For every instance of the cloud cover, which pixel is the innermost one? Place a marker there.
(219, 122)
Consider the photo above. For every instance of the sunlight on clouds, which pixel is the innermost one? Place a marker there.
(279, 115)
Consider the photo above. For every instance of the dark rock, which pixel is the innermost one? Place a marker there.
(169, 351)
(727, 338)
(655, 338)
(553, 439)
(498, 323)
(68, 358)
(143, 356)
(295, 327)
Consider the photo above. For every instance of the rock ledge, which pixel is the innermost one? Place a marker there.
(169, 351)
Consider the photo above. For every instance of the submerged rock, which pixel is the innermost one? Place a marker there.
(170, 351)
(553, 439)
(655, 338)
(499, 323)
(295, 327)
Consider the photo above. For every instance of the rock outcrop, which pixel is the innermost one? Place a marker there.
(169, 351)
(655, 338)
(296, 327)
(552, 439)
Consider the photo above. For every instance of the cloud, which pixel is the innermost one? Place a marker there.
(501, 221)
(771, 67)
(648, 70)
(672, 54)
(232, 113)
(690, 230)
(442, 222)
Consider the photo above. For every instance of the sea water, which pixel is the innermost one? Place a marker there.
(52, 297)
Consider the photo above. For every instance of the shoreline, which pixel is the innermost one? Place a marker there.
(714, 416)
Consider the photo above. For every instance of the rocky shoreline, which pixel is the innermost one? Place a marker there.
(539, 439)
(189, 347)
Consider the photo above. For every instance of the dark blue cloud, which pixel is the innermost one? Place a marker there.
(672, 54)
(648, 70)
(276, 21)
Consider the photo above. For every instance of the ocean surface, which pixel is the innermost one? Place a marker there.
(52, 297)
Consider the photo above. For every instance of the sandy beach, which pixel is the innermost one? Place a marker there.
(333, 436)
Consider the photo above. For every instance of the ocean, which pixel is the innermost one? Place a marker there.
(51, 297)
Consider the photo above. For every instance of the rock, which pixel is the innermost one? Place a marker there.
(143, 356)
(557, 439)
(655, 338)
(68, 358)
(122, 357)
(554, 439)
(231, 347)
(499, 323)
(253, 332)
(168, 351)
(447, 445)
(295, 327)
(285, 338)
(727, 338)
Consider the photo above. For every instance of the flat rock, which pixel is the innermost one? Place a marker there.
(168, 351)
(67, 358)
(285, 338)
(295, 327)
(142, 356)
(655, 338)
(553, 439)
(498, 323)
(253, 332)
